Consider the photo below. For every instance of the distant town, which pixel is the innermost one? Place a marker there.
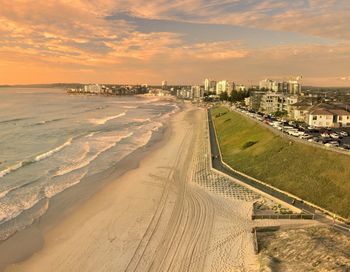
(317, 107)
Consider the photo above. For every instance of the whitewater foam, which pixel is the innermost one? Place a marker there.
(57, 187)
(129, 107)
(40, 157)
(10, 169)
(85, 161)
(53, 151)
(103, 121)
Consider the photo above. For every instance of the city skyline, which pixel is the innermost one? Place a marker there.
(182, 42)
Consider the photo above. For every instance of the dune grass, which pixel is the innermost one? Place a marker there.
(314, 174)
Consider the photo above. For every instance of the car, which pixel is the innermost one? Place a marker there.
(343, 133)
(305, 136)
(315, 139)
(312, 130)
(334, 143)
(325, 135)
(334, 135)
(346, 146)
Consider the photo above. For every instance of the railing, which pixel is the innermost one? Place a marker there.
(284, 216)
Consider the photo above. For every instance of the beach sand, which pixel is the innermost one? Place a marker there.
(163, 215)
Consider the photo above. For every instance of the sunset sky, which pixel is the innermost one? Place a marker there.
(138, 41)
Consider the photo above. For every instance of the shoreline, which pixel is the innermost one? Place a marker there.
(160, 216)
(24, 243)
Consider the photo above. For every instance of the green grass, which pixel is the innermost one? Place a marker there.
(314, 174)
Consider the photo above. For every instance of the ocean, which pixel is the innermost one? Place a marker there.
(51, 141)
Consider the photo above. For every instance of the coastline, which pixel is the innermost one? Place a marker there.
(170, 212)
(24, 243)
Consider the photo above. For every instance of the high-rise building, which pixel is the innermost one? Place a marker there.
(224, 86)
(164, 84)
(289, 87)
(197, 92)
(209, 85)
(268, 84)
(206, 84)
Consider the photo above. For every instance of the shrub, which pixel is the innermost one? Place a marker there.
(249, 144)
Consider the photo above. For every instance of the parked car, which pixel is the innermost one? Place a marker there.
(334, 135)
(306, 136)
(346, 146)
(343, 133)
(314, 139)
(334, 143)
(325, 135)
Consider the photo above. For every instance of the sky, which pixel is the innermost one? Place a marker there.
(183, 41)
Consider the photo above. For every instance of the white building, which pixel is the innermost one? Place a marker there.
(197, 92)
(224, 86)
(320, 117)
(92, 88)
(272, 102)
(164, 84)
(290, 87)
(268, 84)
(209, 85)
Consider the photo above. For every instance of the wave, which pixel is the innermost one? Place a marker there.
(85, 161)
(57, 187)
(53, 151)
(11, 210)
(37, 210)
(12, 120)
(40, 157)
(141, 120)
(10, 169)
(20, 201)
(103, 121)
(4, 193)
(130, 107)
(47, 122)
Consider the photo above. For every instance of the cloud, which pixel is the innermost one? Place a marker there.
(182, 41)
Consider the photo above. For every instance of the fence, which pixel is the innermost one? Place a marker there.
(283, 216)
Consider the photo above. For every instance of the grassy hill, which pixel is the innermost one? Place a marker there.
(317, 175)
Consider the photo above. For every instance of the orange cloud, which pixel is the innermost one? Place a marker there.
(65, 40)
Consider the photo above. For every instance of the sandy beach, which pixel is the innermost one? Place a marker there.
(171, 213)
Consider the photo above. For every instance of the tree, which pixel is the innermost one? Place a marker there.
(223, 96)
(280, 113)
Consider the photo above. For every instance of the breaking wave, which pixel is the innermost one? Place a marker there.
(40, 157)
(103, 121)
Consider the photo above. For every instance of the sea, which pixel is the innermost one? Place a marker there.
(51, 141)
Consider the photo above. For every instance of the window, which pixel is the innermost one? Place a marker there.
(314, 117)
